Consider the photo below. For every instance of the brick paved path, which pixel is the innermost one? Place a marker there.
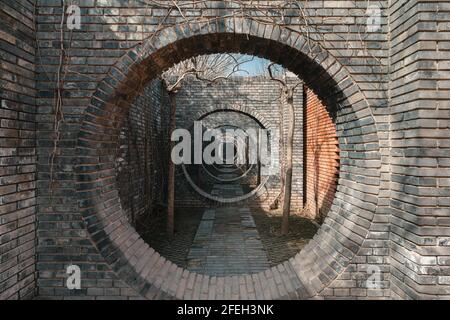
(227, 241)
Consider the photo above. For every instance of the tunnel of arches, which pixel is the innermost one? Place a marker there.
(350, 213)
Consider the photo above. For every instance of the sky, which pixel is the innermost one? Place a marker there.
(256, 67)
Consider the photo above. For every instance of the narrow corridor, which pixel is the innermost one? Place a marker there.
(227, 241)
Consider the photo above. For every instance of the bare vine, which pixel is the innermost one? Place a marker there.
(58, 115)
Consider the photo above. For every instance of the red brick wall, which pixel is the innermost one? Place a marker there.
(321, 157)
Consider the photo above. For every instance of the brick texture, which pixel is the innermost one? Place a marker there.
(321, 157)
(388, 96)
(17, 150)
(419, 135)
(140, 162)
(83, 221)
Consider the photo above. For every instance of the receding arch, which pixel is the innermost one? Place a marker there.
(242, 109)
(348, 222)
(239, 108)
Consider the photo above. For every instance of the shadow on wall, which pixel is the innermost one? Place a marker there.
(142, 156)
(321, 150)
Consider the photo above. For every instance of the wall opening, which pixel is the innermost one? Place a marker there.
(348, 221)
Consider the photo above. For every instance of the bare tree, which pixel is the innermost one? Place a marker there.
(286, 156)
(208, 68)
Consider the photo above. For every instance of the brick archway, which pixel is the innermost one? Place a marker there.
(348, 222)
(259, 118)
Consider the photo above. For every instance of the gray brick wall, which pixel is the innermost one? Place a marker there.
(17, 150)
(142, 155)
(419, 131)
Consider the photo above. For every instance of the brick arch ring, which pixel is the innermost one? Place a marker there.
(240, 108)
(343, 232)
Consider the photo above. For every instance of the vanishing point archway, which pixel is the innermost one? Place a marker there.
(348, 222)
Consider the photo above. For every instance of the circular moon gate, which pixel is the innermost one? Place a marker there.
(343, 231)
